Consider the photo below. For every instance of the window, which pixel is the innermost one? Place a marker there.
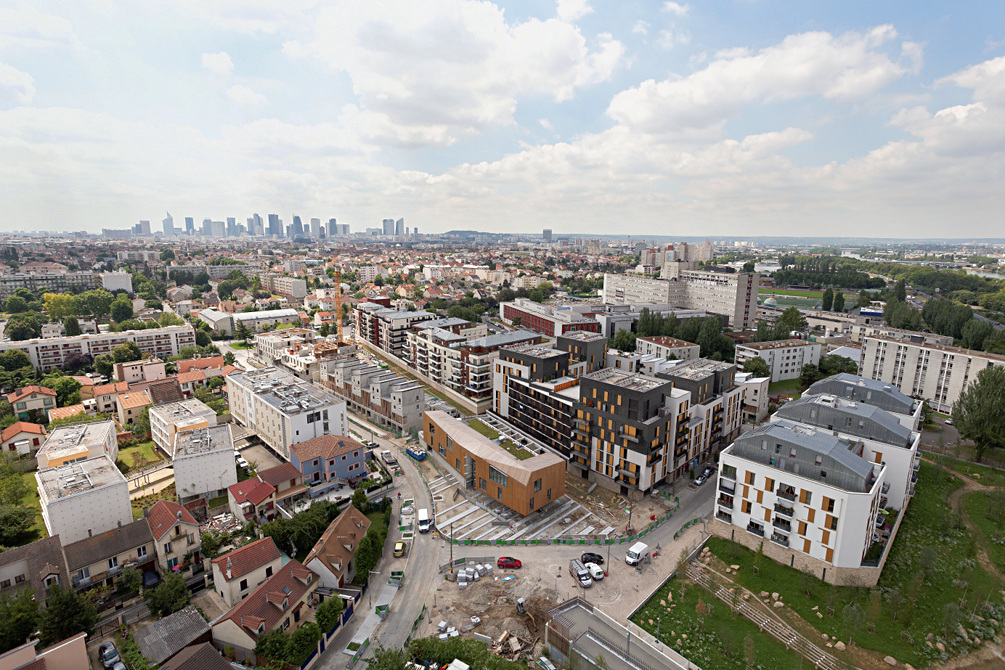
(531, 504)
(244, 584)
(443, 452)
(828, 505)
(499, 494)
(833, 523)
(457, 464)
(286, 624)
(746, 507)
(113, 562)
(141, 552)
(549, 495)
(268, 571)
(261, 627)
(497, 476)
(537, 485)
(167, 547)
(5, 584)
(172, 563)
(84, 573)
(19, 579)
(481, 483)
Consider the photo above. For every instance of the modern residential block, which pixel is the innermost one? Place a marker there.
(167, 420)
(872, 392)
(785, 358)
(68, 444)
(83, 498)
(667, 347)
(203, 460)
(379, 395)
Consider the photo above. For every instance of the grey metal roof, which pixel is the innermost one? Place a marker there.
(775, 443)
(442, 323)
(166, 637)
(501, 339)
(847, 416)
(865, 390)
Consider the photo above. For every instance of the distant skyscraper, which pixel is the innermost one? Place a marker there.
(207, 227)
(168, 225)
(255, 224)
(399, 227)
(189, 225)
(275, 225)
(231, 226)
(218, 228)
(332, 228)
(142, 228)
(298, 227)
(316, 228)
(415, 231)
(547, 235)
(388, 228)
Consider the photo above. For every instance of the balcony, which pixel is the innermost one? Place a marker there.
(724, 516)
(914, 477)
(917, 465)
(787, 495)
(725, 501)
(727, 486)
(886, 487)
(783, 509)
(630, 438)
(783, 524)
(780, 539)
(756, 530)
(727, 475)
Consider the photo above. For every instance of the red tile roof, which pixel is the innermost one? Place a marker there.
(19, 427)
(248, 558)
(251, 490)
(325, 446)
(279, 474)
(22, 393)
(265, 604)
(133, 400)
(108, 389)
(338, 544)
(63, 412)
(228, 369)
(199, 363)
(163, 516)
(191, 376)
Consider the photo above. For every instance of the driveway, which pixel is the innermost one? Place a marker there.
(260, 454)
(945, 437)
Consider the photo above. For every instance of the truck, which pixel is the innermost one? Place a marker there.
(424, 522)
(388, 457)
(416, 452)
(638, 553)
(580, 573)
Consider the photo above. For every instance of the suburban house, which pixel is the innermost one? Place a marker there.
(32, 399)
(286, 480)
(198, 657)
(204, 363)
(164, 638)
(253, 500)
(131, 406)
(237, 573)
(22, 438)
(333, 556)
(100, 559)
(37, 566)
(282, 602)
(145, 370)
(327, 461)
(176, 534)
(70, 654)
(106, 397)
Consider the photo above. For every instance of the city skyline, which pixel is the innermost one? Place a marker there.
(740, 119)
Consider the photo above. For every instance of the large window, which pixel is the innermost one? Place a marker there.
(498, 477)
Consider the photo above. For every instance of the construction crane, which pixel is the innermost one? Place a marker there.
(338, 305)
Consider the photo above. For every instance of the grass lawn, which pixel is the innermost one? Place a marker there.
(484, 429)
(240, 345)
(787, 386)
(218, 502)
(932, 566)
(31, 500)
(987, 511)
(716, 640)
(516, 450)
(146, 451)
(151, 498)
(982, 473)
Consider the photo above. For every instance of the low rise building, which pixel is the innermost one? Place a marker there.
(99, 560)
(167, 420)
(669, 348)
(252, 500)
(22, 438)
(332, 558)
(328, 461)
(144, 370)
(379, 395)
(785, 358)
(550, 320)
(46, 354)
(523, 485)
(69, 654)
(240, 571)
(131, 406)
(167, 637)
(255, 322)
(30, 399)
(203, 460)
(82, 441)
(756, 402)
(106, 397)
(176, 535)
(39, 566)
(860, 331)
(83, 498)
(287, 482)
(907, 410)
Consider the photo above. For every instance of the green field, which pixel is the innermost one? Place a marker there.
(146, 451)
(240, 345)
(787, 386)
(987, 511)
(485, 430)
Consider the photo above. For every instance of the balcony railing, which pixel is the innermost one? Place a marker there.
(784, 509)
(886, 487)
(725, 501)
(914, 477)
(755, 530)
(724, 516)
(783, 524)
(728, 475)
(786, 495)
(917, 465)
(726, 486)
(780, 539)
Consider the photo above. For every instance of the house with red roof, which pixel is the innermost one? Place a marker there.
(176, 536)
(22, 438)
(239, 572)
(252, 500)
(203, 363)
(282, 602)
(106, 397)
(328, 461)
(333, 557)
(287, 481)
(30, 399)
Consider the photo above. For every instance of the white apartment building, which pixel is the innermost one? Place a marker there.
(167, 420)
(377, 394)
(146, 370)
(807, 496)
(83, 498)
(290, 287)
(785, 358)
(69, 444)
(254, 321)
(882, 437)
(871, 392)
(115, 281)
(270, 347)
(732, 295)
(755, 396)
(47, 281)
(386, 328)
(860, 331)
(936, 373)
(203, 461)
(53, 352)
(368, 273)
(667, 347)
(282, 409)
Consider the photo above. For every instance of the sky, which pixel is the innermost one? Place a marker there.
(727, 118)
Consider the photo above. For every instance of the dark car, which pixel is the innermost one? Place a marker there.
(508, 562)
(108, 655)
(708, 471)
(592, 558)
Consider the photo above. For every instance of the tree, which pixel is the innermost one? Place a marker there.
(14, 359)
(387, 659)
(16, 523)
(67, 390)
(25, 328)
(66, 613)
(979, 414)
(96, 302)
(624, 340)
(359, 500)
(126, 352)
(20, 616)
(229, 358)
(864, 299)
(131, 579)
(167, 255)
(303, 641)
(274, 645)
(757, 366)
(170, 596)
(15, 305)
(122, 309)
(329, 612)
(60, 305)
(141, 427)
(167, 318)
(839, 301)
(900, 291)
(828, 299)
(104, 364)
(242, 332)
(810, 374)
(71, 327)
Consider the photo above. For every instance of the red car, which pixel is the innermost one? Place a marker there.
(508, 562)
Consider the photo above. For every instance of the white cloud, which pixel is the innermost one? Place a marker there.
(546, 124)
(640, 28)
(669, 38)
(676, 8)
(15, 85)
(251, 16)
(844, 67)
(218, 63)
(454, 69)
(570, 10)
(243, 95)
(26, 27)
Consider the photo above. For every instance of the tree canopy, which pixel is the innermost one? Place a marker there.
(979, 414)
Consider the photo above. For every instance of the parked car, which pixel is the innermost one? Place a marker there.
(590, 557)
(108, 655)
(241, 463)
(399, 548)
(700, 479)
(508, 562)
(708, 471)
(120, 666)
(949, 422)
(596, 572)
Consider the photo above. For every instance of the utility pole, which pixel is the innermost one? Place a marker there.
(451, 540)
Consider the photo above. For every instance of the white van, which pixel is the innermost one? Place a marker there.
(424, 523)
(580, 573)
(637, 554)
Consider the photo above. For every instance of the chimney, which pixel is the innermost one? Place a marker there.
(179, 515)
(145, 510)
(229, 572)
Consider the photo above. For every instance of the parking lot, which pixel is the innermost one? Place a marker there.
(260, 455)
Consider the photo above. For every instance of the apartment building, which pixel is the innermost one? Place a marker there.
(805, 495)
(203, 460)
(99, 560)
(270, 347)
(54, 281)
(381, 396)
(732, 295)
(907, 410)
(755, 396)
(46, 354)
(282, 409)
(859, 331)
(289, 287)
(586, 347)
(881, 436)
(386, 328)
(176, 535)
(83, 498)
(256, 322)
(933, 372)
(630, 431)
(239, 572)
(80, 442)
(667, 347)
(146, 370)
(168, 420)
(627, 316)
(524, 486)
(550, 320)
(785, 358)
